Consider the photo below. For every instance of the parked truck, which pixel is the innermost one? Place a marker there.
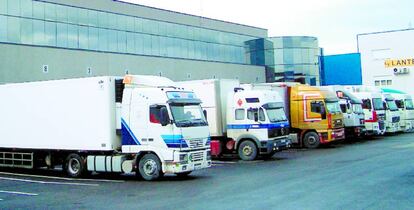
(405, 105)
(315, 116)
(104, 124)
(392, 114)
(246, 122)
(351, 108)
(374, 110)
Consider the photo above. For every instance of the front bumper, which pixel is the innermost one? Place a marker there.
(355, 131)
(392, 128)
(271, 146)
(332, 135)
(195, 161)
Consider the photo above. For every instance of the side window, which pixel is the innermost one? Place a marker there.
(250, 113)
(343, 108)
(400, 103)
(366, 104)
(262, 116)
(316, 106)
(240, 115)
(154, 114)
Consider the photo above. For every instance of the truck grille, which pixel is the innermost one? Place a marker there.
(381, 125)
(275, 132)
(197, 156)
(195, 143)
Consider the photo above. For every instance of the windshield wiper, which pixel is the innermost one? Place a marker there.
(184, 123)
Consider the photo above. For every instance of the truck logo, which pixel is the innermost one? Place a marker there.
(239, 102)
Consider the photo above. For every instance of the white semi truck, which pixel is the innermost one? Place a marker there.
(405, 105)
(104, 124)
(374, 110)
(246, 122)
(351, 108)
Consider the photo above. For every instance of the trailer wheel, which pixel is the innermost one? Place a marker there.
(311, 140)
(75, 165)
(149, 167)
(247, 150)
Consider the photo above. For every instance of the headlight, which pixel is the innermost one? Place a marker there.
(183, 158)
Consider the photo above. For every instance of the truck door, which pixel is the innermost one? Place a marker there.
(160, 135)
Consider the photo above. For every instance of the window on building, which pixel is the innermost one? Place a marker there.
(377, 83)
(389, 82)
(383, 82)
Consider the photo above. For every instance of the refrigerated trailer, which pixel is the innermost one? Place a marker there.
(103, 124)
(246, 122)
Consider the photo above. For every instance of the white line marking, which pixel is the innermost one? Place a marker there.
(18, 193)
(61, 178)
(44, 182)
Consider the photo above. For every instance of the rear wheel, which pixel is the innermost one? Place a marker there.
(247, 150)
(311, 140)
(75, 165)
(149, 167)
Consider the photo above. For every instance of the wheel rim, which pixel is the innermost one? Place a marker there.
(74, 166)
(247, 150)
(312, 140)
(150, 167)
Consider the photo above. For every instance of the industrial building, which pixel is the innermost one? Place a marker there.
(342, 69)
(387, 59)
(42, 40)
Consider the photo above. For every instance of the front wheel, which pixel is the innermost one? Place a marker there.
(149, 167)
(247, 150)
(311, 140)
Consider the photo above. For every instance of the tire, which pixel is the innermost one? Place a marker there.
(149, 167)
(183, 174)
(247, 150)
(75, 165)
(311, 140)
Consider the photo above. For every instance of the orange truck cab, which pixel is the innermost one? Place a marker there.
(315, 115)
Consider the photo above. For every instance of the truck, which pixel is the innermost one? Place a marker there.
(374, 110)
(351, 108)
(405, 106)
(315, 116)
(141, 124)
(248, 123)
(392, 114)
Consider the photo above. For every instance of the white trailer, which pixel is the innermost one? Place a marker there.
(249, 122)
(103, 124)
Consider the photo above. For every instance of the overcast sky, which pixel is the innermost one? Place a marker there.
(335, 22)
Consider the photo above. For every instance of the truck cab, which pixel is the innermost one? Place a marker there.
(258, 116)
(392, 114)
(161, 119)
(405, 106)
(374, 110)
(352, 111)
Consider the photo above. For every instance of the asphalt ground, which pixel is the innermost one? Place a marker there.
(372, 174)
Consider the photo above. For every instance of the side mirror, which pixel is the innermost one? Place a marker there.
(164, 118)
(256, 116)
(322, 111)
(205, 113)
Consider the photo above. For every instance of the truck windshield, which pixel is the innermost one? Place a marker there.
(378, 104)
(357, 108)
(409, 104)
(188, 115)
(276, 114)
(392, 106)
(333, 107)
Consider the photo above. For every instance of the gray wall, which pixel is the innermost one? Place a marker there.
(19, 63)
(165, 15)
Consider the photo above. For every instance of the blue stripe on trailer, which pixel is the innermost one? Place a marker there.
(128, 137)
(258, 126)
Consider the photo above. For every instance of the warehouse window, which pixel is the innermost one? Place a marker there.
(389, 82)
(377, 83)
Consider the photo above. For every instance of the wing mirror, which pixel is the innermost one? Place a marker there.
(164, 118)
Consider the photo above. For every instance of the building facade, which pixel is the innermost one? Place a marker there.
(387, 59)
(288, 58)
(343, 69)
(55, 39)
